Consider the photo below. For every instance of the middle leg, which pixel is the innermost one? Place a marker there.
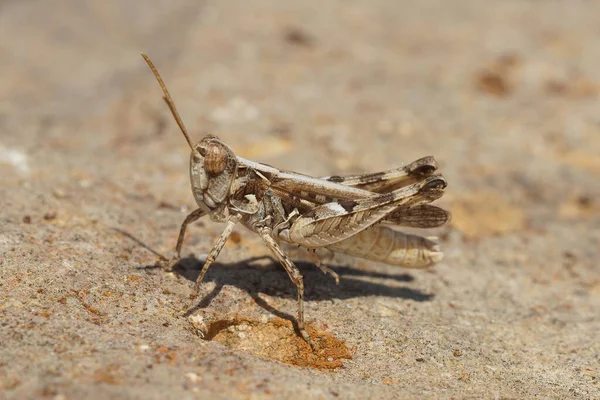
(295, 276)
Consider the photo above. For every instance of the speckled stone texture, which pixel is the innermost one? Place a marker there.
(93, 172)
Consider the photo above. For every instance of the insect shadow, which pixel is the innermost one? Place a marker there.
(254, 276)
(270, 278)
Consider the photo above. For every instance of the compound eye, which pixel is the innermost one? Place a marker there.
(215, 159)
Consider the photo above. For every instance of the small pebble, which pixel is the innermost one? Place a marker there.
(192, 376)
(143, 347)
(50, 215)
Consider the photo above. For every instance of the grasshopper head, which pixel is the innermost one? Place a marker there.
(213, 167)
(213, 164)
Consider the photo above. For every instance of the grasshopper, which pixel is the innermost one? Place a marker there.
(345, 214)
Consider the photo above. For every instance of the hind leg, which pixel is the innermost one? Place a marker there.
(326, 270)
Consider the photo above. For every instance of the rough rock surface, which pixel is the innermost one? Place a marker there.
(94, 179)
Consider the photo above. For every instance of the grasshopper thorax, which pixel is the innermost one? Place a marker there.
(213, 167)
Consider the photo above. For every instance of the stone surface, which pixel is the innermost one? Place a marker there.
(94, 180)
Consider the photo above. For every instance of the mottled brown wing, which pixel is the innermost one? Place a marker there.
(387, 181)
(411, 215)
(332, 222)
(299, 188)
(422, 216)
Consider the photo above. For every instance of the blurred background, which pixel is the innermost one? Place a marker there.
(505, 95)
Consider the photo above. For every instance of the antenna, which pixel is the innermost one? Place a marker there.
(167, 98)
